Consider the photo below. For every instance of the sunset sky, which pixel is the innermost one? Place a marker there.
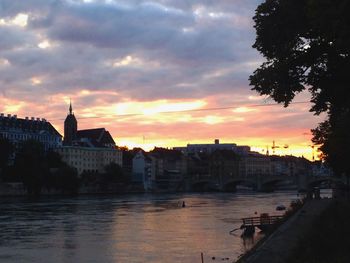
(154, 73)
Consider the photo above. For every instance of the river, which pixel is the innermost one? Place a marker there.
(130, 228)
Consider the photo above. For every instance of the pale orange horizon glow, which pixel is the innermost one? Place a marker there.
(170, 123)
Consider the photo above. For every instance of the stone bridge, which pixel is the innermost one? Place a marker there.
(229, 183)
(263, 183)
(308, 182)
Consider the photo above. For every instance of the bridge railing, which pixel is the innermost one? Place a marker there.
(260, 220)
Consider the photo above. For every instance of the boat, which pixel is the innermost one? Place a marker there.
(280, 208)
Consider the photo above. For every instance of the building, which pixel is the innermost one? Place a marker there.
(211, 147)
(142, 170)
(224, 164)
(98, 137)
(89, 150)
(89, 159)
(160, 169)
(17, 130)
(321, 169)
(255, 164)
(198, 166)
(169, 167)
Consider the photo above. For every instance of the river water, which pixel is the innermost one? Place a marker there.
(130, 228)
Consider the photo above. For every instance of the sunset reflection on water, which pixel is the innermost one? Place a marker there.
(130, 228)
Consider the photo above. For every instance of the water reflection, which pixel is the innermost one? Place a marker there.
(133, 228)
(249, 241)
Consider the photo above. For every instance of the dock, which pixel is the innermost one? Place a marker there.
(281, 244)
(263, 222)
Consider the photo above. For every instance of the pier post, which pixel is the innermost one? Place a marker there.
(249, 230)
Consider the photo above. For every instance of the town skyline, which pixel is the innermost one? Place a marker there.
(274, 148)
(183, 57)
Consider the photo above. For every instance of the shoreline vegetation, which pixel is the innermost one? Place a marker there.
(33, 171)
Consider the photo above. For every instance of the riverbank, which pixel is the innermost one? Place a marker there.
(19, 190)
(284, 242)
(329, 238)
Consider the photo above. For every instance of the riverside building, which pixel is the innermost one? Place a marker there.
(212, 147)
(89, 150)
(161, 169)
(17, 130)
(89, 159)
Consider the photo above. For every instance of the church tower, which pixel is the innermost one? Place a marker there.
(70, 127)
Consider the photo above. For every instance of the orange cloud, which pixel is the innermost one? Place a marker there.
(169, 123)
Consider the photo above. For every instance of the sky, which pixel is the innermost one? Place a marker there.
(154, 73)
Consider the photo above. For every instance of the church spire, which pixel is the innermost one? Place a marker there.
(70, 127)
(70, 107)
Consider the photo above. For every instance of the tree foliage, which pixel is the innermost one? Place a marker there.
(38, 169)
(66, 179)
(54, 159)
(6, 149)
(306, 44)
(114, 173)
(29, 165)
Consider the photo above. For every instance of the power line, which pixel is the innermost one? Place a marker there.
(185, 111)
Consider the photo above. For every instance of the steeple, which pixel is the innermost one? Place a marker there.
(70, 127)
(70, 107)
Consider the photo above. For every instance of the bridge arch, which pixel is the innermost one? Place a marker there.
(269, 184)
(231, 185)
(318, 181)
(200, 186)
(274, 181)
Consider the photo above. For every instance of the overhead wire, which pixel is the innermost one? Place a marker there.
(185, 111)
(192, 110)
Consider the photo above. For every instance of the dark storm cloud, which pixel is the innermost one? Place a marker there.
(174, 46)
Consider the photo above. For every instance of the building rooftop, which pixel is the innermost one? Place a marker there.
(99, 137)
(31, 125)
(166, 153)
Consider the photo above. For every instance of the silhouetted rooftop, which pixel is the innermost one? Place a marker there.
(27, 125)
(99, 137)
(166, 153)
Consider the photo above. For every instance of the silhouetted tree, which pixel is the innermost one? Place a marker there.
(29, 164)
(54, 160)
(88, 178)
(67, 179)
(6, 149)
(114, 173)
(333, 134)
(306, 44)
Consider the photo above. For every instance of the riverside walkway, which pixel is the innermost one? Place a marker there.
(280, 244)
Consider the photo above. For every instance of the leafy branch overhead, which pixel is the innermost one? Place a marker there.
(306, 44)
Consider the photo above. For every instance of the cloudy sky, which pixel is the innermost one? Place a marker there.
(158, 72)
